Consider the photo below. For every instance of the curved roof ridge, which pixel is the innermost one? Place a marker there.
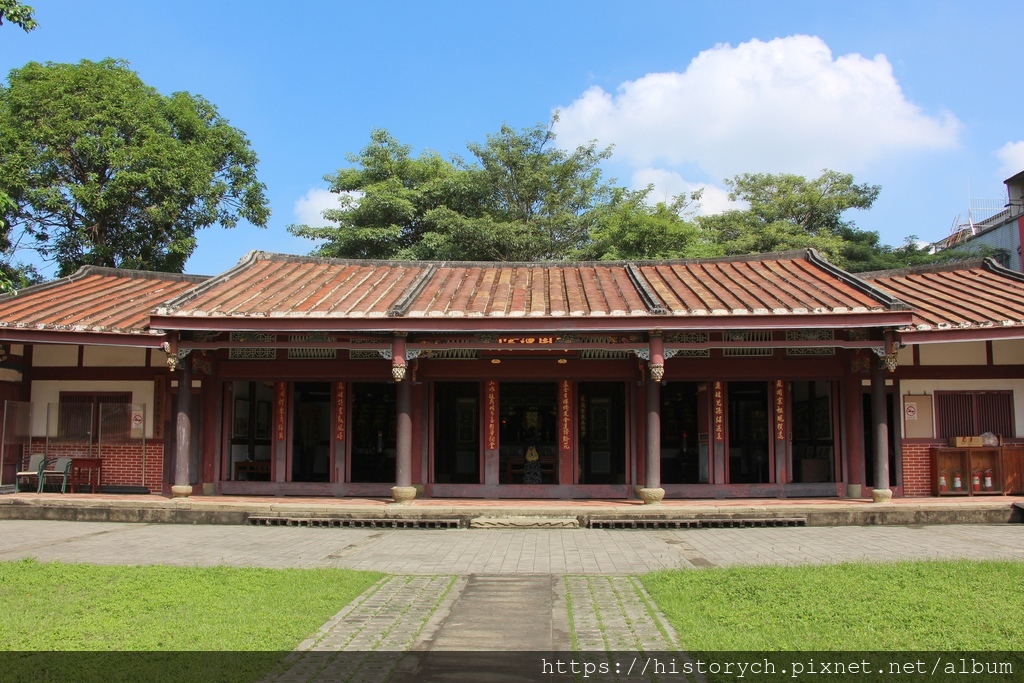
(257, 255)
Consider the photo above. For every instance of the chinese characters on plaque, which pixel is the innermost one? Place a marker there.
(282, 409)
(339, 418)
(780, 410)
(566, 415)
(719, 412)
(492, 415)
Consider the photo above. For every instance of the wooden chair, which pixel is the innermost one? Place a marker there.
(60, 469)
(32, 472)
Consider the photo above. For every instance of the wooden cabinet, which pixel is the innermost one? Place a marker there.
(1013, 469)
(978, 471)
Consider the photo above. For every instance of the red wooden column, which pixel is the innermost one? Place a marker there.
(652, 491)
(881, 493)
(566, 429)
(853, 414)
(492, 461)
(402, 491)
(403, 438)
(183, 432)
(879, 431)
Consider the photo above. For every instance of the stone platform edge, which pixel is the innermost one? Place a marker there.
(226, 511)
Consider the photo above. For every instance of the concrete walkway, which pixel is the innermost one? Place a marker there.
(497, 551)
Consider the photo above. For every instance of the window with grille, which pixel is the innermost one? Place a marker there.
(748, 336)
(79, 416)
(970, 413)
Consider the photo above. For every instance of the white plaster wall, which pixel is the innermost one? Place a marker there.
(1008, 352)
(158, 359)
(55, 355)
(905, 356)
(113, 357)
(48, 391)
(962, 353)
(919, 386)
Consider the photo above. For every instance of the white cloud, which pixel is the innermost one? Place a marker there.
(782, 105)
(310, 207)
(669, 184)
(1011, 157)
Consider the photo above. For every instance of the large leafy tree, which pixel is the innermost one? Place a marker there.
(631, 228)
(521, 198)
(386, 199)
(789, 211)
(18, 14)
(14, 275)
(104, 170)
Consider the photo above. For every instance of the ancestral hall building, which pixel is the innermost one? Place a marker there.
(768, 375)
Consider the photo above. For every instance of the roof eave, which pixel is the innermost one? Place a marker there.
(961, 335)
(151, 340)
(871, 319)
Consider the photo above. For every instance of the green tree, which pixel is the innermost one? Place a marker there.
(385, 199)
(11, 277)
(521, 199)
(816, 206)
(18, 14)
(633, 229)
(104, 170)
(788, 211)
(556, 195)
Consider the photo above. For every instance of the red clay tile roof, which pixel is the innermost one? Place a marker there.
(276, 286)
(958, 296)
(93, 299)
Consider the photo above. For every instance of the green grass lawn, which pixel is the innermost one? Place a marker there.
(78, 607)
(949, 605)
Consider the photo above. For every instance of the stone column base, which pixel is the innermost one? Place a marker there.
(403, 495)
(881, 495)
(181, 491)
(651, 496)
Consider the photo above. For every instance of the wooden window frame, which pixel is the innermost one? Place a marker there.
(95, 398)
(944, 431)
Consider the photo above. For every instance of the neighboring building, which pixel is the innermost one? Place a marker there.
(1000, 231)
(740, 377)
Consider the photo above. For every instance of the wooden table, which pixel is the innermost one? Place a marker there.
(260, 468)
(82, 474)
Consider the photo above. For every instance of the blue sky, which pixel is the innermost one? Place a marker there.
(921, 98)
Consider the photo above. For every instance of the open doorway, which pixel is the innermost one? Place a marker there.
(374, 429)
(311, 431)
(457, 432)
(684, 438)
(602, 430)
(528, 433)
(748, 433)
(813, 433)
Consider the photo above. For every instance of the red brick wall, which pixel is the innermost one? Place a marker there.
(122, 462)
(917, 477)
